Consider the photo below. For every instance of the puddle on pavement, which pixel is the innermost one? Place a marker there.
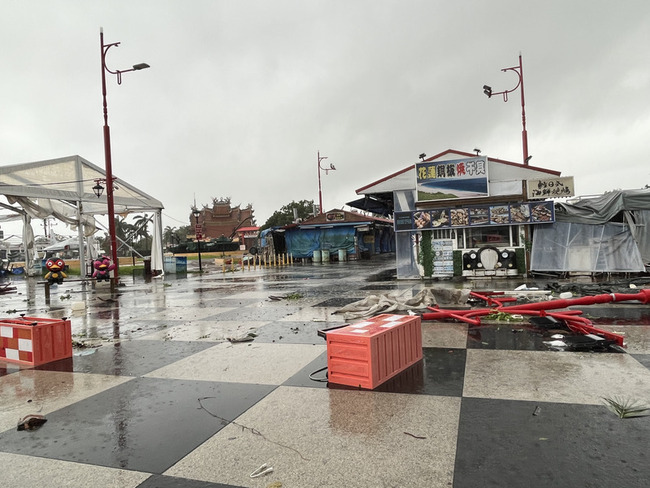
(525, 336)
(385, 275)
(439, 372)
(617, 315)
(393, 286)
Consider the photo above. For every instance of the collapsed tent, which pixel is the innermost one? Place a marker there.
(608, 233)
(63, 189)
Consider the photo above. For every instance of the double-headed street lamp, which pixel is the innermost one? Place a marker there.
(327, 170)
(488, 91)
(198, 232)
(107, 145)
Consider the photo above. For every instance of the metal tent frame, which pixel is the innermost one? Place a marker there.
(63, 189)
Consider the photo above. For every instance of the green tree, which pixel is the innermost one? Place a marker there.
(285, 216)
(141, 226)
(124, 233)
(183, 232)
(169, 236)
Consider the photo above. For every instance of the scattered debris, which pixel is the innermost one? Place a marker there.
(415, 436)
(6, 288)
(602, 287)
(587, 342)
(106, 299)
(289, 296)
(245, 427)
(31, 422)
(540, 310)
(248, 337)
(626, 408)
(448, 296)
(294, 296)
(525, 287)
(261, 471)
(378, 304)
(505, 317)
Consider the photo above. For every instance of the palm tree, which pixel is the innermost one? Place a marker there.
(141, 226)
(124, 231)
(169, 235)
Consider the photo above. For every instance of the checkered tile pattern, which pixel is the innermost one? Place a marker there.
(16, 344)
(162, 398)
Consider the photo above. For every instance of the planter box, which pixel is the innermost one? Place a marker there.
(32, 341)
(368, 353)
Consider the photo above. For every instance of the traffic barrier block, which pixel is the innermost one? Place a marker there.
(33, 341)
(368, 353)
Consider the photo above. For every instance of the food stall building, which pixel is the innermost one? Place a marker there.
(463, 214)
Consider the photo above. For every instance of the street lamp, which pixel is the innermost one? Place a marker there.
(327, 170)
(197, 233)
(488, 92)
(107, 145)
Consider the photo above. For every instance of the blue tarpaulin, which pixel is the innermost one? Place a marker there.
(302, 243)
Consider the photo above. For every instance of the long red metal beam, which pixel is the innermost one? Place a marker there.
(570, 317)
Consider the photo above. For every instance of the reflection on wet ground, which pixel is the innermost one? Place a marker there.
(196, 380)
(618, 314)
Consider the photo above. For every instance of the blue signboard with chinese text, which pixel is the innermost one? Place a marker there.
(458, 178)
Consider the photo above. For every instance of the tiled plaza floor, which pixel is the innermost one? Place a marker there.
(161, 397)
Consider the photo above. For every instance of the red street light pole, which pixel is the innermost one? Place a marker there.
(488, 91)
(107, 145)
(327, 170)
(199, 235)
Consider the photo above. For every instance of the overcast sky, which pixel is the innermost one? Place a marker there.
(241, 95)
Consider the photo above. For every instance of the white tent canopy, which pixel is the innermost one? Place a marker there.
(62, 188)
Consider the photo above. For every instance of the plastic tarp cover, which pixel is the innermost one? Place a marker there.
(565, 246)
(642, 218)
(604, 208)
(302, 243)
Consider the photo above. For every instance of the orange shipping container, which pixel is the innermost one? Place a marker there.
(368, 353)
(33, 341)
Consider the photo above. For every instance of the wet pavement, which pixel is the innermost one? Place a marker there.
(156, 394)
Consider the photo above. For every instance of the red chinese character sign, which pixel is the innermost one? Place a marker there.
(459, 178)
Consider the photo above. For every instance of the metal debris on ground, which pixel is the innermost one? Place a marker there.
(594, 338)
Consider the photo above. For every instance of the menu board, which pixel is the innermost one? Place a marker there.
(476, 216)
(443, 257)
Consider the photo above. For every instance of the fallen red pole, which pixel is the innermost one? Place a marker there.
(570, 317)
